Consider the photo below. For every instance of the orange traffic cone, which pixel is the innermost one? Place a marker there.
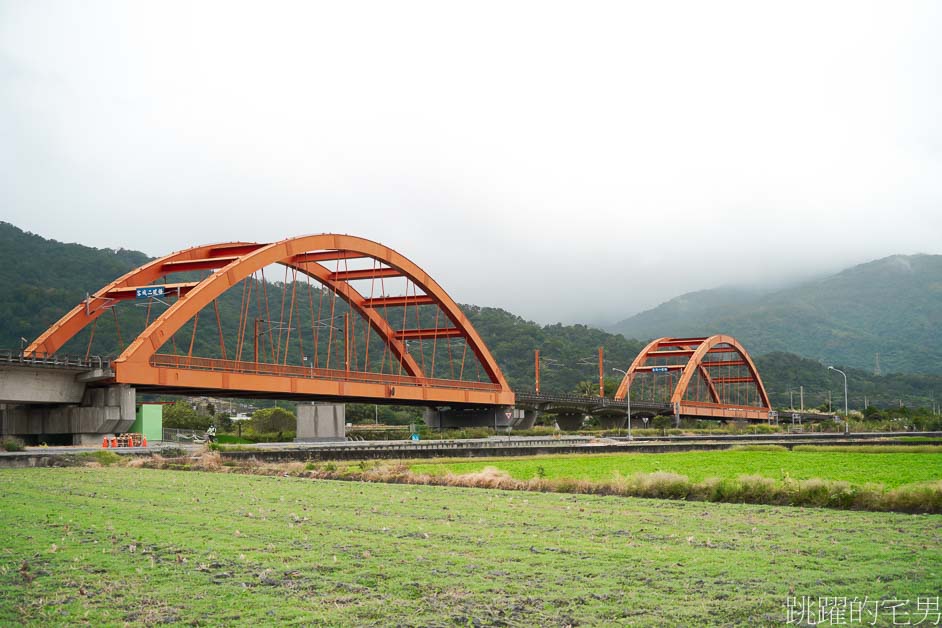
(143, 441)
(114, 441)
(104, 442)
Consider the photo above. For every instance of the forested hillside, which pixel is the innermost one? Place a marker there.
(41, 279)
(891, 307)
(783, 373)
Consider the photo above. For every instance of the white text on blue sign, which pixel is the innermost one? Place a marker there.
(151, 291)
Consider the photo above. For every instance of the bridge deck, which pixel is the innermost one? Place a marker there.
(182, 375)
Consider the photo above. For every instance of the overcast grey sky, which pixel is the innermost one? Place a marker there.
(574, 161)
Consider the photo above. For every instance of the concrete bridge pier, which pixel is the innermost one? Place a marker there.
(525, 419)
(612, 421)
(319, 422)
(103, 410)
(570, 421)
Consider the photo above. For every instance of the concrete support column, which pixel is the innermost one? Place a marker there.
(525, 419)
(318, 422)
(570, 421)
(612, 421)
(432, 418)
(105, 410)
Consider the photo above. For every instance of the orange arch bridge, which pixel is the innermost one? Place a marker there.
(397, 308)
(710, 377)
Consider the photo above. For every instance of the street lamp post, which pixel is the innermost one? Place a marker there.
(627, 398)
(846, 413)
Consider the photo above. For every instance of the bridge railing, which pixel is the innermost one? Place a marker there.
(163, 360)
(523, 395)
(56, 360)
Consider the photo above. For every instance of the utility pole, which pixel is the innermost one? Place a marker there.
(791, 399)
(536, 370)
(601, 373)
(801, 392)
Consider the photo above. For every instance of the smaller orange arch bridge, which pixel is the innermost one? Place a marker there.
(709, 377)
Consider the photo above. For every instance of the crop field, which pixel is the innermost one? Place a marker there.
(855, 465)
(115, 545)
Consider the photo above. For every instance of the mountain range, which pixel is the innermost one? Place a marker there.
(891, 308)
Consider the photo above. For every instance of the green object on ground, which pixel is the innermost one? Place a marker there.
(229, 439)
(149, 422)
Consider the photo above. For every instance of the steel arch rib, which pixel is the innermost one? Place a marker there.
(138, 353)
(640, 359)
(63, 330)
(693, 364)
(430, 287)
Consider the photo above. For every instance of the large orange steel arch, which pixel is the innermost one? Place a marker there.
(83, 314)
(698, 349)
(235, 261)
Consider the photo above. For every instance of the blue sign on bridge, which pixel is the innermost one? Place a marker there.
(659, 369)
(150, 291)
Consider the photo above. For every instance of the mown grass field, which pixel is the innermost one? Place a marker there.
(857, 467)
(115, 545)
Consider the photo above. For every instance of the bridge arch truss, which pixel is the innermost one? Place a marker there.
(706, 377)
(390, 301)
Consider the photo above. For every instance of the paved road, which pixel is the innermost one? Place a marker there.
(493, 446)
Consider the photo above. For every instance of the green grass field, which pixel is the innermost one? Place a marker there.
(118, 545)
(890, 469)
